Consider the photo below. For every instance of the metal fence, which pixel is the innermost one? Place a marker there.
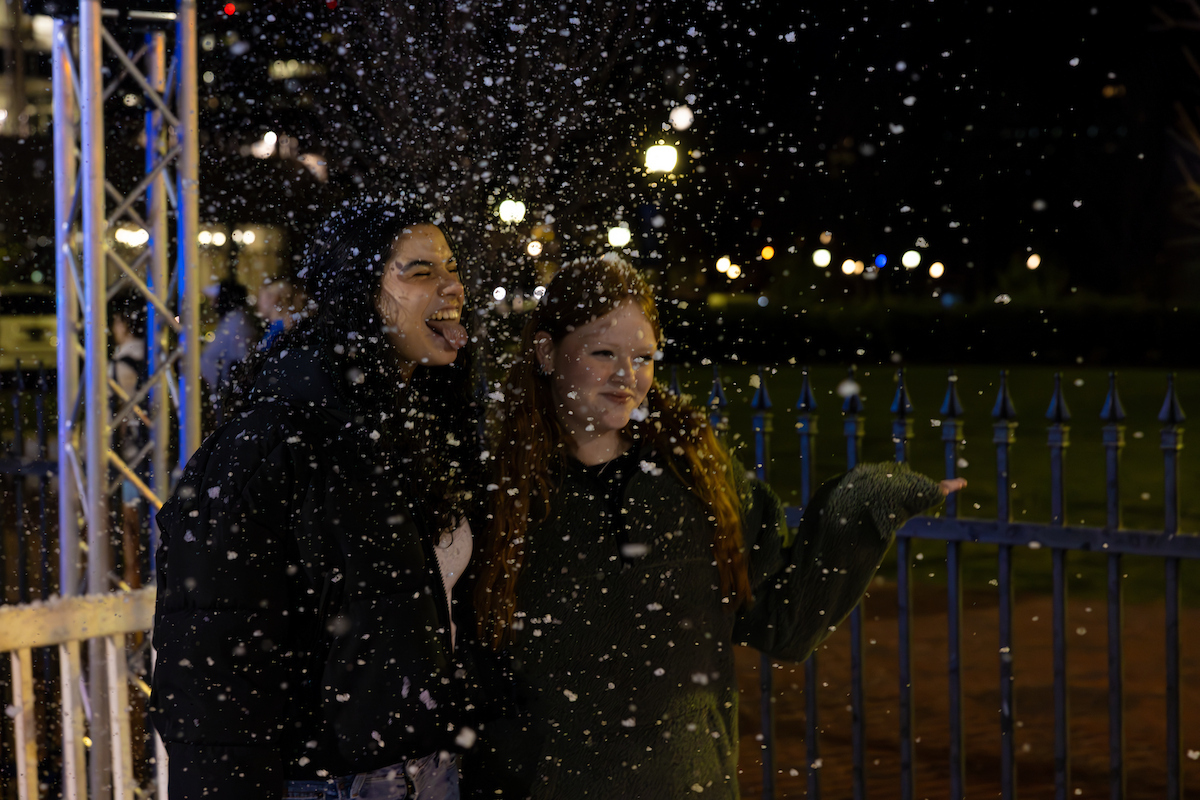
(1056, 535)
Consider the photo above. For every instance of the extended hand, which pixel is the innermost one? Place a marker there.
(952, 485)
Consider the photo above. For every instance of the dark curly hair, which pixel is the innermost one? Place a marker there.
(343, 271)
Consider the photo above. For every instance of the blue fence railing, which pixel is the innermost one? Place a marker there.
(1006, 535)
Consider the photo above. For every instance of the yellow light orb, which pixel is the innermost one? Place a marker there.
(859, 267)
(723, 264)
(734, 271)
(822, 258)
(1034, 261)
(512, 211)
(937, 269)
(911, 259)
(826, 237)
(768, 253)
(848, 266)
(661, 158)
(619, 235)
(534, 248)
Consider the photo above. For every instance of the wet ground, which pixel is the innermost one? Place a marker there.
(1145, 704)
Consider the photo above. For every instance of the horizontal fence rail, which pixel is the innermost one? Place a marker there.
(62, 627)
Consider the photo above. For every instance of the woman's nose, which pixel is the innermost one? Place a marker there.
(451, 286)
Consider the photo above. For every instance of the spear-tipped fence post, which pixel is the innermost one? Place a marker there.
(806, 429)
(852, 427)
(1004, 429)
(763, 426)
(1171, 441)
(902, 431)
(717, 404)
(1113, 417)
(952, 437)
(1059, 438)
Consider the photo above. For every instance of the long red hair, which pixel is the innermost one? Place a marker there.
(530, 445)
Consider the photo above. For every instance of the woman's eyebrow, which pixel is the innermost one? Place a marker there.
(423, 262)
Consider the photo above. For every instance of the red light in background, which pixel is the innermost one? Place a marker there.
(229, 9)
(331, 4)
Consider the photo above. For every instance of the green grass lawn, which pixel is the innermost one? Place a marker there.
(1141, 391)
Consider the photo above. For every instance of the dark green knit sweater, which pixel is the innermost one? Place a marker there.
(624, 653)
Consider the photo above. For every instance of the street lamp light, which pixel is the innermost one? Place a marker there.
(619, 235)
(661, 158)
(512, 211)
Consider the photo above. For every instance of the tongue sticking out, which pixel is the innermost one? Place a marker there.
(454, 333)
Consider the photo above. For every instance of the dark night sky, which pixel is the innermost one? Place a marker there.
(984, 129)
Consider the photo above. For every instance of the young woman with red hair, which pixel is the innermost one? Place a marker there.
(627, 553)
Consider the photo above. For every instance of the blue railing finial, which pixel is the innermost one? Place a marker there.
(716, 398)
(853, 404)
(1172, 412)
(1113, 412)
(952, 404)
(901, 403)
(762, 400)
(673, 387)
(807, 404)
(1004, 409)
(1058, 413)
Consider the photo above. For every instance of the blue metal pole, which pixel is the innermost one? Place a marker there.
(806, 429)
(952, 434)
(1004, 430)
(1113, 415)
(1058, 440)
(852, 428)
(763, 426)
(902, 431)
(1172, 417)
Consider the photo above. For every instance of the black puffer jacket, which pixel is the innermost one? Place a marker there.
(624, 653)
(301, 624)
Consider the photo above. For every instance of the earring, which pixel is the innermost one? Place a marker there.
(542, 371)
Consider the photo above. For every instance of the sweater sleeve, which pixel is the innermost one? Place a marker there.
(224, 617)
(805, 587)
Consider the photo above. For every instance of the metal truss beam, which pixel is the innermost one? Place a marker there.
(88, 206)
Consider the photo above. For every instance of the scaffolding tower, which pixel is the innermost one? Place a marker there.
(89, 273)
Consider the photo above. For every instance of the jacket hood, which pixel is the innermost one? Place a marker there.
(296, 377)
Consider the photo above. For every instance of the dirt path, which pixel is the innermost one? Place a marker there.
(1087, 666)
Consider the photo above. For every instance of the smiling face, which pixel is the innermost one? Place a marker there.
(421, 298)
(599, 373)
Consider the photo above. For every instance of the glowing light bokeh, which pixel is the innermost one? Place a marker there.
(1034, 261)
(512, 211)
(848, 266)
(822, 258)
(911, 259)
(768, 253)
(619, 235)
(937, 269)
(534, 248)
(661, 158)
(723, 264)
(734, 271)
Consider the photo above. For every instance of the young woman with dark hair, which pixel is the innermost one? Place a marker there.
(309, 553)
(627, 552)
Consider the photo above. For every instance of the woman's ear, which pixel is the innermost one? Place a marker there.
(543, 350)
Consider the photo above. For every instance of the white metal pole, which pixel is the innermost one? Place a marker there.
(65, 170)
(160, 247)
(187, 271)
(95, 285)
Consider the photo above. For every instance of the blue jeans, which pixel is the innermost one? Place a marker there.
(434, 777)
